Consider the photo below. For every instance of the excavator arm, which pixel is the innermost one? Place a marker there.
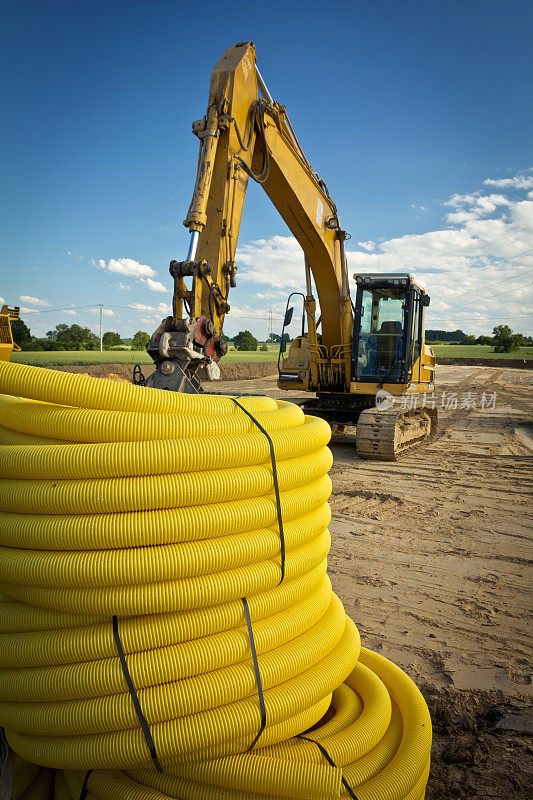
(245, 134)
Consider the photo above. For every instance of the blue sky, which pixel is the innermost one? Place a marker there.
(419, 115)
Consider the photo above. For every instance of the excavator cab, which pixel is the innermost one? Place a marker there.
(388, 331)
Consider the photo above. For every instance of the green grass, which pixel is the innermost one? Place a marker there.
(88, 357)
(258, 355)
(478, 351)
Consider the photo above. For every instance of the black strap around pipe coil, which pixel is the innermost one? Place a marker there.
(331, 763)
(257, 673)
(276, 487)
(134, 697)
(84, 788)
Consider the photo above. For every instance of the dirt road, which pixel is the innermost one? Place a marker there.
(432, 557)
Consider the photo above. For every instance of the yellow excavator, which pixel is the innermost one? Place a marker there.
(359, 362)
(7, 345)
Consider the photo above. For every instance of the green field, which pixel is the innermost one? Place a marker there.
(87, 357)
(478, 351)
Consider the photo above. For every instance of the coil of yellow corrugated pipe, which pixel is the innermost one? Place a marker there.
(29, 781)
(159, 509)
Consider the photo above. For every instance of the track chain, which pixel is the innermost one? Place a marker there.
(387, 435)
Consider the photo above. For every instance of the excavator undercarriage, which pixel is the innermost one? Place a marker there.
(388, 435)
(381, 434)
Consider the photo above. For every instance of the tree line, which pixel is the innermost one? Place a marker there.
(73, 337)
(76, 337)
(503, 339)
(245, 340)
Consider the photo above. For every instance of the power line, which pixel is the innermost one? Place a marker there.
(68, 308)
(474, 319)
(489, 266)
(471, 271)
(96, 305)
(482, 299)
(482, 269)
(504, 280)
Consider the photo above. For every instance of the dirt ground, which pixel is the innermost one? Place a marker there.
(229, 371)
(432, 557)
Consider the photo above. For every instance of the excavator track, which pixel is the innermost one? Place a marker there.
(388, 435)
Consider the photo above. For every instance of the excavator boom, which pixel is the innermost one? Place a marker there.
(245, 134)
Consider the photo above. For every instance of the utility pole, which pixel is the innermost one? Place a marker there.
(100, 306)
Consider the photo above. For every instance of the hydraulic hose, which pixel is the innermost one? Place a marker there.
(167, 605)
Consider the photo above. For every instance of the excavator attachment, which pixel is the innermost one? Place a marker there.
(185, 352)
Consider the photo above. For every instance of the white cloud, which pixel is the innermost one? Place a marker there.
(274, 295)
(277, 261)
(459, 265)
(125, 266)
(370, 245)
(25, 310)
(457, 200)
(256, 319)
(155, 286)
(518, 182)
(74, 255)
(69, 311)
(33, 301)
(2, 300)
(457, 217)
(131, 269)
(473, 206)
(252, 313)
(123, 287)
(488, 204)
(484, 243)
(106, 312)
(161, 308)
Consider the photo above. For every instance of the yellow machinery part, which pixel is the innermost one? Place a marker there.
(150, 515)
(7, 345)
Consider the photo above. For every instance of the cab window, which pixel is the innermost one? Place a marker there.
(381, 334)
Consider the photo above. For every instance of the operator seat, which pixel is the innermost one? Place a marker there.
(389, 343)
